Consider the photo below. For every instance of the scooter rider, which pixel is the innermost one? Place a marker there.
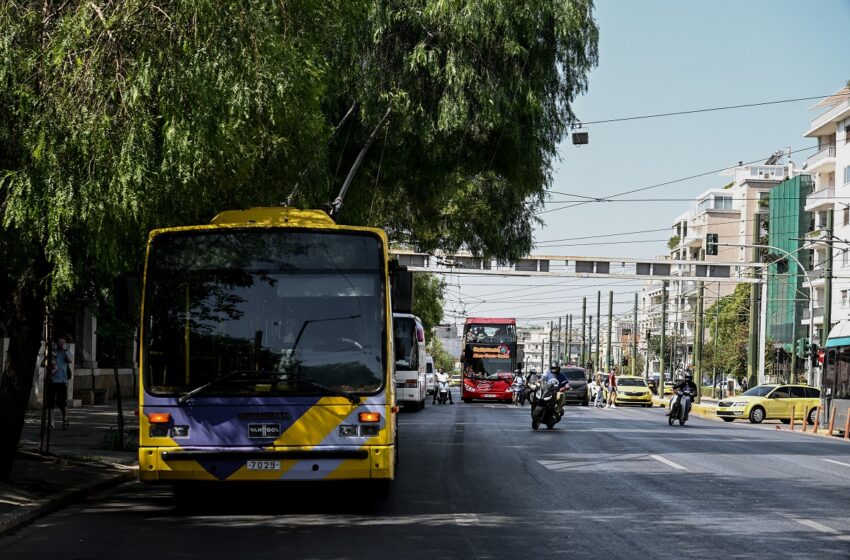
(517, 387)
(555, 377)
(442, 377)
(687, 384)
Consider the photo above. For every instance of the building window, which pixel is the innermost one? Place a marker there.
(844, 259)
(847, 175)
(844, 298)
(846, 215)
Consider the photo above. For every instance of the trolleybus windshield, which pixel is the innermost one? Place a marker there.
(293, 312)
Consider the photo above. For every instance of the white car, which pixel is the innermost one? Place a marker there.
(430, 375)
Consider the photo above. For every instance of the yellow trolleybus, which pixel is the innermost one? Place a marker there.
(266, 351)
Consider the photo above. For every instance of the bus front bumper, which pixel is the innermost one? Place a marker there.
(171, 464)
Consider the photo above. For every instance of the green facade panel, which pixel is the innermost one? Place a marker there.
(787, 295)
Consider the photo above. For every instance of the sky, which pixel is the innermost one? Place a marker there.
(658, 56)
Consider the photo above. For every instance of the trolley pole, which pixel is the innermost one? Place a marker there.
(598, 330)
(608, 355)
(634, 338)
(663, 337)
(698, 341)
(582, 358)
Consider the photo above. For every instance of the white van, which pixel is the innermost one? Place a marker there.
(430, 375)
(409, 348)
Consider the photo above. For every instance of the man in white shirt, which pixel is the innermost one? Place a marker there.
(442, 377)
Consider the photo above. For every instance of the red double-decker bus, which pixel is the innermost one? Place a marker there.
(489, 359)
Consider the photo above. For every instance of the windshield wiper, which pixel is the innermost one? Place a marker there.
(185, 398)
(354, 399)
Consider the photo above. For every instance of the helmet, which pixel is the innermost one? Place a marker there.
(688, 376)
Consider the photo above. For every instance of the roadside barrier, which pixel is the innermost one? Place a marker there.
(832, 421)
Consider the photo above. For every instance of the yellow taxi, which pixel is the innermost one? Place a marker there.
(632, 390)
(773, 401)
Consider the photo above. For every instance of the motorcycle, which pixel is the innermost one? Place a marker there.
(442, 392)
(681, 406)
(518, 397)
(546, 405)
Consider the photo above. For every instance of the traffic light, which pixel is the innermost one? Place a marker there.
(813, 354)
(802, 347)
(711, 240)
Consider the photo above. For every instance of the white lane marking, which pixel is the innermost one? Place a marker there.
(668, 462)
(822, 528)
(836, 462)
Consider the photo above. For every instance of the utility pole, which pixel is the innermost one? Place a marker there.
(568, 355)
(558, 351)
(663, 337)
(608, 355)
(827, 294)
(634, 338)
(590, 359)
(752, 357)
(550, 343)
(698, 339)
(598, 330)
(582, 359)
(714, 360)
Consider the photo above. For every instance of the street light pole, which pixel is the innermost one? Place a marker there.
(763, 311)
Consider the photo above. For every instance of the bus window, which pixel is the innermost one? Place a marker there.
(406, 345)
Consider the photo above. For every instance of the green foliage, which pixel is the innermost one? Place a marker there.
(428, 300)
(442, 359)
(673, 242)
(116, 117)
(731, 313)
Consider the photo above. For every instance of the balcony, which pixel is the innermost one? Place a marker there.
(836, 113)
(816, 236)
(822, 161)
(820, 200)
(818, 314)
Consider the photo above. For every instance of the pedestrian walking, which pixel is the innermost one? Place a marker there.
(60, 371)
(612, 388)
(599, 396)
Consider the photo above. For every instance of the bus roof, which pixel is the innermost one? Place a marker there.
(489, 321)
(272, 217)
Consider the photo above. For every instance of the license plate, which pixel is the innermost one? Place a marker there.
(490, 396)
(263, 430)
(263, 465)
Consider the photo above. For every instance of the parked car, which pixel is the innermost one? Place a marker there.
(766, 402)
(454, 381)
(632, 390)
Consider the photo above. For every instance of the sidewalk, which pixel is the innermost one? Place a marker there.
(80, 463)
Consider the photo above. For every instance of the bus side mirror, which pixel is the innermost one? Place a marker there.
(401, 281)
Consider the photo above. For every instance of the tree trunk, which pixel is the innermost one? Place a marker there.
(24, 328)
(119, 443)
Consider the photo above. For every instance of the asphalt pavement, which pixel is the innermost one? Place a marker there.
(476, 482)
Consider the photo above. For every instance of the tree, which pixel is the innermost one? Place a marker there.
(428, 300)
(442, 359)
(120, 116)
(731, 314)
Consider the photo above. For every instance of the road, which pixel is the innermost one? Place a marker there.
(477, 482)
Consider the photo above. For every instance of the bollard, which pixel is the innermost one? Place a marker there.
(817, 420)
(832, 421)
(805, 420)
(792, 418)
(847, 426)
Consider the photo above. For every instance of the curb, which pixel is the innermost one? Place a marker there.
(58, 501)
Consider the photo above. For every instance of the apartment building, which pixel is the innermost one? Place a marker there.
(829, 168)
(735, 216)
